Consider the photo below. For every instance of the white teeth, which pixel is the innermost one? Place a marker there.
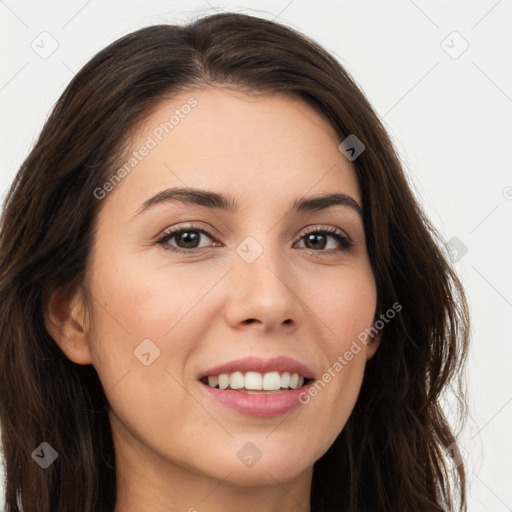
(253, 380)
(236, 381)
(223, 381)
(270, 381)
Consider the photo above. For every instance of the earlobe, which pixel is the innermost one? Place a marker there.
(66, 322)
(372, 346)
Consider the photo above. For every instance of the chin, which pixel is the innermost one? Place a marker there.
(260, 462)
(265, 474)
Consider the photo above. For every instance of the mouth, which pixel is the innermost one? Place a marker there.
(256, 382)
(257, 387)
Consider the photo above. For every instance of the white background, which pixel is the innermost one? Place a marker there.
(450, 116)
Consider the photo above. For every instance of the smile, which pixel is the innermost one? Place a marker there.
(257, 387)
(256, 382)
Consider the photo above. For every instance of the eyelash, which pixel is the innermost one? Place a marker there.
(343, 240)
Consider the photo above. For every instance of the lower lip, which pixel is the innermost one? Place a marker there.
(258, 405)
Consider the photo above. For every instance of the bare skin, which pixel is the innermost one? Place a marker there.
(176, 447)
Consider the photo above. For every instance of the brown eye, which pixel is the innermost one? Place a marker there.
(189, 239)
(185, 239)
(318, 240)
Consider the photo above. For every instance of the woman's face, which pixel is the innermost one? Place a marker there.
(248, 283)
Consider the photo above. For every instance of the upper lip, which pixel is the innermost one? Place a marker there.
(255, 364)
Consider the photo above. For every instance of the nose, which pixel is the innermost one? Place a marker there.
(264, 293)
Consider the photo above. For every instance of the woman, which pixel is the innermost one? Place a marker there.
(218, 291)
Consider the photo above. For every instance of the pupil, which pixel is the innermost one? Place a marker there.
(312, 237)
(189, 238)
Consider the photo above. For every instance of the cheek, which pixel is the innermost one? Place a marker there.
(346, 307)
(144, 332)
(133, 304)
(148, 300)
(348, 304)
(147, 322)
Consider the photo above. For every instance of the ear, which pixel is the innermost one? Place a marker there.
(66, 321)
(372, 346)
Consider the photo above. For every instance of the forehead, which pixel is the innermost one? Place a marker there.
(260, 149)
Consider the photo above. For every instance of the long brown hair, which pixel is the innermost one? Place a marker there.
(392, 454)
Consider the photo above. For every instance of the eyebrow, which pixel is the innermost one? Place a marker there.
(224, 202)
